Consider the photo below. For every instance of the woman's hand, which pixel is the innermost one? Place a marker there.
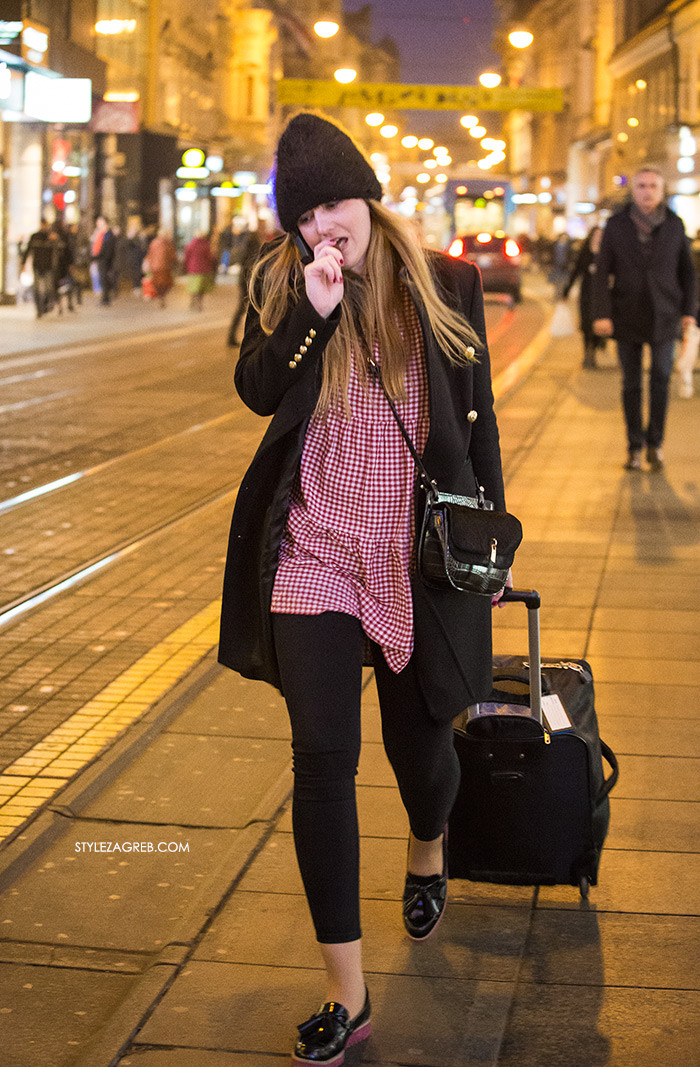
(324, 278)
(497, 596)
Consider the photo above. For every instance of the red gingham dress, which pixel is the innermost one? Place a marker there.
(348, 541)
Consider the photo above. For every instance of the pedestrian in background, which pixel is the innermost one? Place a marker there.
(319, 567)
(103, 252)
(41, 249)
(135, 255)
(248, 257)
(690, 344)
(645, 287)
(121, 268)
(200, 267)
(63, 262)
(560, 264)
(224, 244)
(161, 258)
(80, 266)
(585, 268)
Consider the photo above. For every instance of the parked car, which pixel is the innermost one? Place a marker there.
(497, 256)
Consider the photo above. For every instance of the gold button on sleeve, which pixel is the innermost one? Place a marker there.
(302, 348)
(308, 340)
(472, 416)
(470, 350)
(297, 357)
(292, 365)
(312, 333)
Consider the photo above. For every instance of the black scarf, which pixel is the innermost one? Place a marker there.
(645, 224)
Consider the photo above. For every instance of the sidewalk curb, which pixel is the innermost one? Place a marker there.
(110, 1042)
(107, 1045)
(517, 371)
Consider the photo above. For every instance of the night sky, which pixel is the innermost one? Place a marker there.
(445, 43)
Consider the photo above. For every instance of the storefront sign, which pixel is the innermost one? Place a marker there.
(396, 96)
(24, 37)
(57, 99)
(10, 32)
(11, 88)
(35, 44)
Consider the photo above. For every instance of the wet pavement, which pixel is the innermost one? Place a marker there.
(197, 951)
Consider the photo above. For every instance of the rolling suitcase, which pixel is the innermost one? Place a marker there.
(533, 804)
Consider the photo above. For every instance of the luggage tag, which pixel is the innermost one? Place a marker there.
(555, 714)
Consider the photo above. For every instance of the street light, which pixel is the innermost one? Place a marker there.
(468, 121)
(425, 143)
(520, 38)
(375, 118)
(345, 75)
(389, 130)
(489, 79)
(477, 131)
(326, 28)
(409, 141)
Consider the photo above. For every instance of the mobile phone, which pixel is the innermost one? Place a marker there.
(305, 253)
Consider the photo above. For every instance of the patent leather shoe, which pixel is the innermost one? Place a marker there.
(324, 1037)
(424, 902)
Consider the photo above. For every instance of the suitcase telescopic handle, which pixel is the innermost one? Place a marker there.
(531, 599)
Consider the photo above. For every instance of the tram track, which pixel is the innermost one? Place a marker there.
(38, 595)
(60, 483)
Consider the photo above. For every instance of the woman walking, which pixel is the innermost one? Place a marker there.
(200, 266)
(161, 258)
(584, 268)
(320, 572)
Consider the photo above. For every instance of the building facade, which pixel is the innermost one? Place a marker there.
(630, 70)
(49, 75)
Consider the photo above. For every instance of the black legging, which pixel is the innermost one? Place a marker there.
(320, 661)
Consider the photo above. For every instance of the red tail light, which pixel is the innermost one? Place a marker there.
(512, 248)
(456, 249)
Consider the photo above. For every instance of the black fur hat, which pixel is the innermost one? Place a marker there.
(317, 162)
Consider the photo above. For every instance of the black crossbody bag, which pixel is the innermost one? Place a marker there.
(464, 542)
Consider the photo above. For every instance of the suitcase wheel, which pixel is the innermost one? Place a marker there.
(584, 884)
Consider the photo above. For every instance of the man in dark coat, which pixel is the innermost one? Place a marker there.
(646, 255)
(43, 252)
(104, 249)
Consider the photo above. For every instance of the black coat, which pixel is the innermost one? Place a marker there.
(585, 269)
(651, 287)
(452, 644)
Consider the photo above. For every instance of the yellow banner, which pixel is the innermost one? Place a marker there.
(396, 96)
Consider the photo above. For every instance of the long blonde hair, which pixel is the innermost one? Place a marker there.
(371, 309)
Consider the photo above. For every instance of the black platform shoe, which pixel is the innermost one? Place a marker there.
(424, 900)
(324, 1037)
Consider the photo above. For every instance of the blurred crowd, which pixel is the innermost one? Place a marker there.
(59, 263)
